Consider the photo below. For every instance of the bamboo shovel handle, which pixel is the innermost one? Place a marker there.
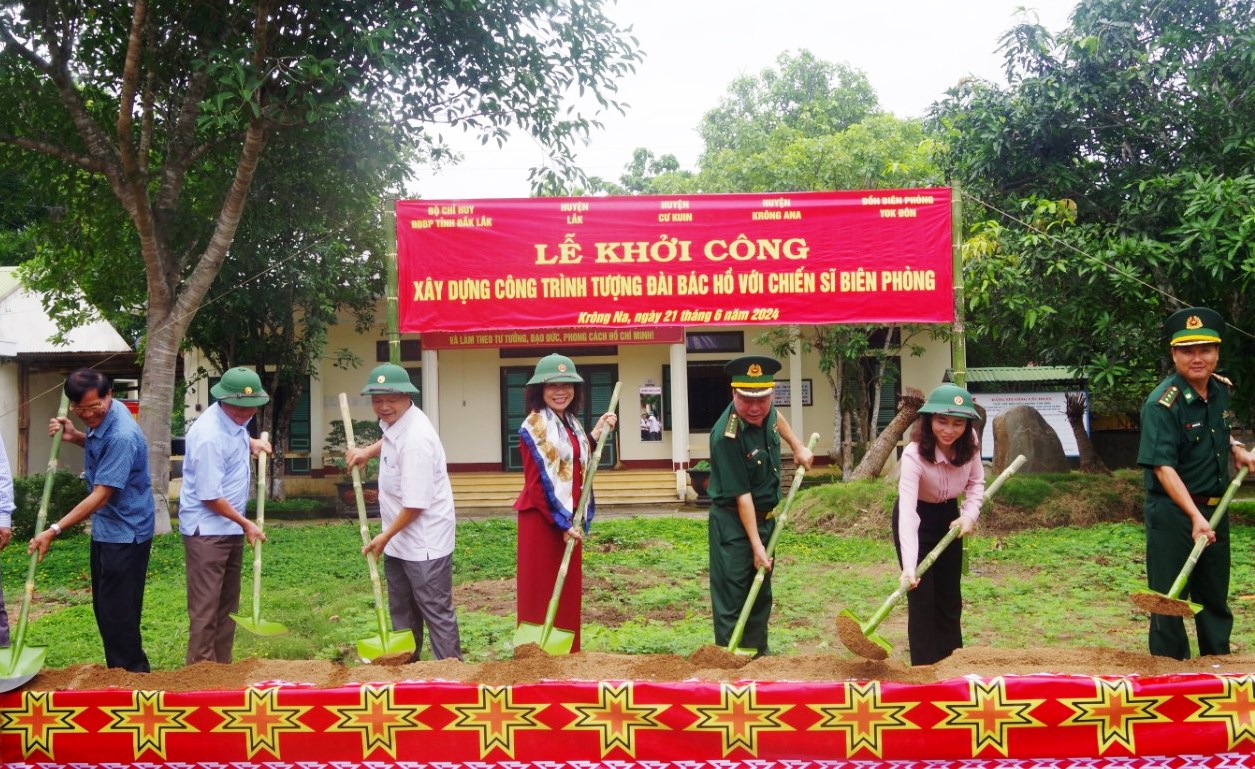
(783, 515)
(581, 504)
(261, 521)
(738, 630)
(359, 497)
(1199, 544)
(874, 621)
(262, 461)
(41, 520)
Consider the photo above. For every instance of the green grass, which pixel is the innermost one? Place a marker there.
(646, 587)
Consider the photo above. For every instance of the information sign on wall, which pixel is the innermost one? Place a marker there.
(1051, 405)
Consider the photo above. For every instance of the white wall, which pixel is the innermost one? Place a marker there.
(470, 397)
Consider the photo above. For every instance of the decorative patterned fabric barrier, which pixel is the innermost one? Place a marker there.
(1015, 721)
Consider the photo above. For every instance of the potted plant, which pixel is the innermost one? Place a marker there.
(365, 432)
(699, 478)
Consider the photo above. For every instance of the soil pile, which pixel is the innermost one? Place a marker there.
(709, 663)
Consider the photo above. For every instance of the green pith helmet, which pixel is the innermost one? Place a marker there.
(951, 401)
(389, 378)
(240, 387)
(1193, 325)
(553, 369)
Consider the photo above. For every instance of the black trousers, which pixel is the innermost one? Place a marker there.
(935, 606)
(119, 571)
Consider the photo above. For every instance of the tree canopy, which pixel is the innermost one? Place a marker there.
(807, 124)
(153, 117)
(1115, 174)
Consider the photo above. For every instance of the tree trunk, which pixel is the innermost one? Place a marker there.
(156, 404)
(847, 444)
(880, 449)
(834, 383)
(1090, 461)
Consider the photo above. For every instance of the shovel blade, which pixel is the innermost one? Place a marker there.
(867, 645)
(19, 665)
(262, 627)
(395, 642)
(1158, 603)
(558, 642)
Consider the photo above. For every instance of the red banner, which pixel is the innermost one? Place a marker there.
(1176, 722)
(872, 256)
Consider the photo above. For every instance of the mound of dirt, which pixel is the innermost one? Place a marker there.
(706, 664)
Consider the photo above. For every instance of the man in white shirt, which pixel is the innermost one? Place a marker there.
(217, 476)
(416, 507)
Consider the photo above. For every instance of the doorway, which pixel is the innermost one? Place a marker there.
(599, 382)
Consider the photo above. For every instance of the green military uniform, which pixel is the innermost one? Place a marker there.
(744, 459)
(1186, 432)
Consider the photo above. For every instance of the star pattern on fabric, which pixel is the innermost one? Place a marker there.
(148, 719)
(739, 718)
(863, 718)
(1235, 707)
(1115, 712)
(617, 717)
(496, 717)
(989, 714)
(37, 721)
(377, 718)
(262, 720)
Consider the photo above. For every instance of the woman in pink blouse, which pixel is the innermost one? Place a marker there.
(941, 462)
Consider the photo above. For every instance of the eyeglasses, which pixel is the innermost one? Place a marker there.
(89, 410)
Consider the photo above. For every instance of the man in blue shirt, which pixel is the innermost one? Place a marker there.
(120, 503)
(212, 500)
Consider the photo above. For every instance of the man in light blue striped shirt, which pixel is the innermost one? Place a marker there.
(212, 501)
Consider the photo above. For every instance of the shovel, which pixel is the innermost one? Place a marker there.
(1171, 604)
(734, 642)
(20, 663)
(388, 642)
(553, 640)
(254, 623)
(860, 637)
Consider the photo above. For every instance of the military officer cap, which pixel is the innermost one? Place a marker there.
(389, 378)
(1193, 325)
(753, 376)
(240, 387)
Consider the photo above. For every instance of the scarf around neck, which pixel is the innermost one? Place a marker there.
(545, 438)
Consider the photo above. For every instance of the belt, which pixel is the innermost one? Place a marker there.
(761, 515)
(1202, 500)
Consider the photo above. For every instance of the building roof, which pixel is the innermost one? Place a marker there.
(992, 374)
(25, 328)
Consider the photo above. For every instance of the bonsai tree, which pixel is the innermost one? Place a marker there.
(365, 432)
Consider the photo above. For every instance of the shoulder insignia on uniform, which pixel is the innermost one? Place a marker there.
(734, 426)
(1169, 396)
(1224, 380)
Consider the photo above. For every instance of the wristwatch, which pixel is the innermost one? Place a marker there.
(55, 529)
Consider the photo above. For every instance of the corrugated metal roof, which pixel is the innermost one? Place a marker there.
(1020, 374)
(27, 328)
